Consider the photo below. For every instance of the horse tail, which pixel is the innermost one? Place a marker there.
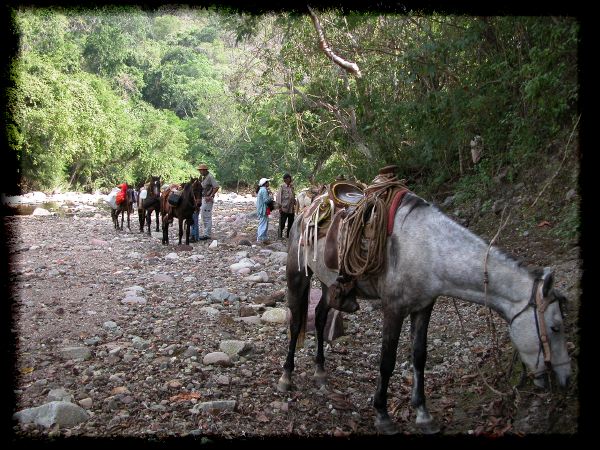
(304, 320)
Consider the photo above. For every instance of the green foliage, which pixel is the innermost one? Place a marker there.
(568, 227)
(118, 93)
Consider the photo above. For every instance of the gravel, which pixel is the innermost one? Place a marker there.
(134, 333)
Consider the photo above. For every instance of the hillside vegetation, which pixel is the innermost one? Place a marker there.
(101, 96)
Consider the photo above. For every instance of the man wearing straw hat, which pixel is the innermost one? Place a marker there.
(210, 186)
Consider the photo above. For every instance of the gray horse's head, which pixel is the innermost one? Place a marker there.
(538, 333)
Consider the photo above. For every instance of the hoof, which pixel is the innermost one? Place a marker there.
(320, 377)
(283, 385)
(386, 426)
(429, 427)
(321, 381)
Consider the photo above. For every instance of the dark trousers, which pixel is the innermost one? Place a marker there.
(283, 217)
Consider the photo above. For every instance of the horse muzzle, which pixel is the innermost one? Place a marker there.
(560, 373)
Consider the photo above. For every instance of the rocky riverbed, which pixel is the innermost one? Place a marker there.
(117, 335)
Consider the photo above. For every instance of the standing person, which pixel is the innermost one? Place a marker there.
(286, 197)
(263, 199)
(210, 186)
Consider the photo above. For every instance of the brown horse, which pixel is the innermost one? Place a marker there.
(190, 199)
(125, 207)
(148, 202)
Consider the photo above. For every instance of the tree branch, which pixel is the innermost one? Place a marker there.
(346, 65)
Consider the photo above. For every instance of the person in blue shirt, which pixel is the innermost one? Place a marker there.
(263, 199)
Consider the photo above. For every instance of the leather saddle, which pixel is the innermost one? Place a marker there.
(339, 196)
(345, 194)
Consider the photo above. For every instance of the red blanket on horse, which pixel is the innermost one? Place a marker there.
(122, 195)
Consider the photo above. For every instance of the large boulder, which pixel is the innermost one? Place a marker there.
(63, 414)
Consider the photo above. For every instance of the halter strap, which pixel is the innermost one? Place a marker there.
(539, 303)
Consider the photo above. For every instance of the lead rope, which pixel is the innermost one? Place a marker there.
(485, 283)
(490, 321)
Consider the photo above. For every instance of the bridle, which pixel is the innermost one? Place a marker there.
(539, 303)
(156, 187)
(197, 201)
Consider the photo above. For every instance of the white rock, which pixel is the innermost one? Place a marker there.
(234, 347)
(41, 212)
(82, 353)
(260, 277)
(63, 414)
(219, 358)
(132, 299)
(218, 405)
(86, 403)
(275, 315)
(209, 310)
(59, 394)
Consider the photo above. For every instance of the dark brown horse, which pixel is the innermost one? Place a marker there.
(125, 207)
(190, 199)
(148, 202)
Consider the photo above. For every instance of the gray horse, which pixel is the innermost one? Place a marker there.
(429, 255)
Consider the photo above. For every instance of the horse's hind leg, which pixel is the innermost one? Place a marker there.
(392, 324)
(419, 323)
(321, 312)
(298, 289)
(115, 218)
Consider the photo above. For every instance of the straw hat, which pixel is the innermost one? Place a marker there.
(263, 181)
(202, 167)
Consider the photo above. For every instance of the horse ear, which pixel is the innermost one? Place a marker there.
(548, 281)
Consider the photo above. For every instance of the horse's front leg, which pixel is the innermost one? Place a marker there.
(122, 219)
(181, 231)
(321, 312)
(128, 219)
(165, 229)
(149, 220)
(141, 219)
(187, 231)
(156, 212)
(392, 324)
(419, 323)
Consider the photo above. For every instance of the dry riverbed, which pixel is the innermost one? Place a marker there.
(146, 340)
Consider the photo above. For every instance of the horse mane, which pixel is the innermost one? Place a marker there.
(413, 201)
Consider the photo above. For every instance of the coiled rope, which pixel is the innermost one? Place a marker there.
(364, 230)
